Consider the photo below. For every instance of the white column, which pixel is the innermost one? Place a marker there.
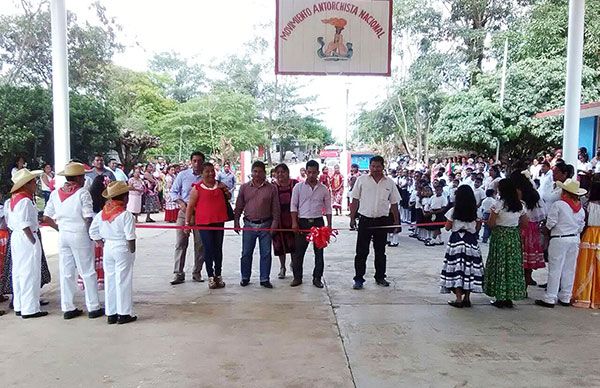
(573, 85)
(60, 85)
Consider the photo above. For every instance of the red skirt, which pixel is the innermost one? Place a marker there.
(98, 253)
(3, 244)
(533, 249)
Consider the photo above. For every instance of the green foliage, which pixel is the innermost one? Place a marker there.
(179, 79)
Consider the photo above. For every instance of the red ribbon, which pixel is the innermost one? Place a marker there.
(320, 236)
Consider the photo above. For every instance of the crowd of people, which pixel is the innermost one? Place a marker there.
(532, 214)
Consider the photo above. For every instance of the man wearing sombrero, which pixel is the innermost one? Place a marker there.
(26, 249)
(70, 211)
(566, 219)
(114, 226)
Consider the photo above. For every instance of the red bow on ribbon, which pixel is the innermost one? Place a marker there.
(321, 236)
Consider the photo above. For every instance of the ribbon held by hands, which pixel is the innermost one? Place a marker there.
(320, 236)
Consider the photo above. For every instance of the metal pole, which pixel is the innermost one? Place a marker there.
(346, 123)
(573, 84)
(60, 84)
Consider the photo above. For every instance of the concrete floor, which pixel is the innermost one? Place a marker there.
(402, 336)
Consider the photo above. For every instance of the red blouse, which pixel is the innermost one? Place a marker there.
(210, 206)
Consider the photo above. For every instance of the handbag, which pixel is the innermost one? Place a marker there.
(230, 215)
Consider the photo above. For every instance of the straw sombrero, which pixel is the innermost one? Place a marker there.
(115, 189)
(572, 186)
(73, 169)
(22, 177)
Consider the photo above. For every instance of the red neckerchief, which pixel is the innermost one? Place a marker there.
(67, 190)
(16, 197)
(112, 209)
(575, 205)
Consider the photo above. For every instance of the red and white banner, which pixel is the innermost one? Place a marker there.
(350, 37)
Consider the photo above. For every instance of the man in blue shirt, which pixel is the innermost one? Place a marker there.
(227, 177)
(180, 193)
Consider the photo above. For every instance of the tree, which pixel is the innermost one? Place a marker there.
(180, 80)
(25, 52)
(212, 122)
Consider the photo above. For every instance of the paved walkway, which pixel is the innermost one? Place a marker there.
(402, 336)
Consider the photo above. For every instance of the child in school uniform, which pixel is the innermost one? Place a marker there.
(463, 267)
(484, 213)
(566, 220)
(435, 210)
(424, 234)
(26, 248)
(114, 227)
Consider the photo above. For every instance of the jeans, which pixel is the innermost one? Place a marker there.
(302, 245)
(249, 242)
(379, 236)
(46, 195)
(212, 240)
(486, 229)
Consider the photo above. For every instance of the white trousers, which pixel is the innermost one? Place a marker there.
(118, 278)
(76, 254)
(26, 272)
(562, 259)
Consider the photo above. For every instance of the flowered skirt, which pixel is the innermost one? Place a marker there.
(98, 254)
(504, 276)
(3, 245)
(337, 197)
(151, 203)
(533, 249)
(463, 266)
(586, 288)
(6, 279)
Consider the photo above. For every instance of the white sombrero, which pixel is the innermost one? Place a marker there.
(572, 186)
(22, 177)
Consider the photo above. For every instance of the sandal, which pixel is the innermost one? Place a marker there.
(455, 303)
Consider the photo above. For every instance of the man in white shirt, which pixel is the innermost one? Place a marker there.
(478, 191)
(309, 198)
(374, 196)
(120, 175)
(70, 212)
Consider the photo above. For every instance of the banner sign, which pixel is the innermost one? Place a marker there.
(351, 37)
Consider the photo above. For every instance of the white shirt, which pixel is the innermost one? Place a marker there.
(121, 228)
(504, 217)
(593, 214)
(486, 206)
(309, 202)
(437, 203)
(479, 195)
(2, 218)
(457, 225)
(375, 197)
(24, 215)
(562, 221)
(70, 215)
(546, 185)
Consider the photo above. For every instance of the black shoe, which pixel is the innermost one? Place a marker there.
(123, 319)
(296, 282)
(565, 304)
(508, 304)
(44, 302)
(358, 284)
(544, 286)
(266, 284)
(72, 314)
(36, 315)
(18, 313)
(112, 319)
(456, 304)
(498, 303)
(244, 282)
(540, 302)
(394, 245)
(177, 280)
(466, 303)
(317, 282)
(382, 282)
(96, 313)
(2, 312)
(198, 278)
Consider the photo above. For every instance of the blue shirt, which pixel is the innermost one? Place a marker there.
(227, 179)
(182, 186)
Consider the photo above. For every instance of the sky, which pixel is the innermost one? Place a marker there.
(208, 31)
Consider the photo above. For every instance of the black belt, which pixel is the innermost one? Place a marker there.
(264, 220)
(311, 220)
(564, 235)
(373, 218)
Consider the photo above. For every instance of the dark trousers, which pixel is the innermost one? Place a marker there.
(212, 240)
(379, 236)
(302, 245)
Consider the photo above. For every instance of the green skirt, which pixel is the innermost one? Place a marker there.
(504, 276)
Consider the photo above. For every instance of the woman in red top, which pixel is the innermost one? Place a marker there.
(207, 208)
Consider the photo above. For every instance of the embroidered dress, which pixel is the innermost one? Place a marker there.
(134, 204)
(337, 190)
(586, 288)
(171, 207)
(151, 199)
(531, 238)
(463, 266)
(284, 242)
